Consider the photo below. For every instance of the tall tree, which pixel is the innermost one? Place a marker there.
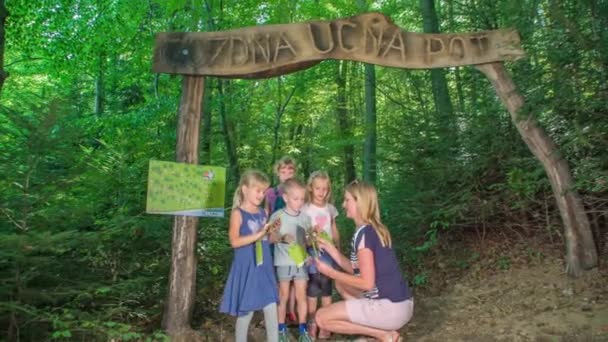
(441, 95)
(457, 71)
(99, 91)
(281, 105)
(206, 127)
(228, 134)
(369, 147)
(580, 247)
(344, 123)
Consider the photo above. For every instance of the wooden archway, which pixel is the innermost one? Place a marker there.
(272, 50)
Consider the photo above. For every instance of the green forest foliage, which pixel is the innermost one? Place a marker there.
(81, 114)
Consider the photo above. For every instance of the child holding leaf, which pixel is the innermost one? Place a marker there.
(251, 284)
(290, 255)
(284, 169)
(322, 215)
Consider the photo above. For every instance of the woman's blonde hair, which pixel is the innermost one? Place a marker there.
(283, 162)
(318, 175)
(367, 204)
(249, 178)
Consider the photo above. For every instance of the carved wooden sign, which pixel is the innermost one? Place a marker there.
(270, 50)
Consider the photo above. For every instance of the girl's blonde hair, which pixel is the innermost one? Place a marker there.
(283, 162)
(367, 204)
(249, 178)
(318, 175)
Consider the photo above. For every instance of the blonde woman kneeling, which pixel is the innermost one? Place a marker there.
(377, 301)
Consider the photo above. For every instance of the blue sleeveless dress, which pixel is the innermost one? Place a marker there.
(250, 287)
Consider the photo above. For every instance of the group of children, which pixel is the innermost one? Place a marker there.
(277, 242)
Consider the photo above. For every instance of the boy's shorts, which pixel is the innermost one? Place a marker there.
(319, 285)
(289, 273)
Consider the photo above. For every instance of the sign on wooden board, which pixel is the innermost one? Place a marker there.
(270, 50)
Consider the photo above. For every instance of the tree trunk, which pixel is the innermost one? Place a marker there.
(156, 93)
(227, 133)
(369, 147)
(599, 19)
(369, 150)
(581, 253)
(441, 94)
(206, 135)
(457, 70)
(13, 331)
(182, 277)
(344, 125)
(308, 159)
(281, 106)
(3, 15)
(99, 93)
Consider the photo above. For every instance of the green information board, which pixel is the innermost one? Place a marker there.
(185, 189)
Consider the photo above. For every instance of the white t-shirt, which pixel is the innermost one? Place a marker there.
(294, 225)
(321, 216)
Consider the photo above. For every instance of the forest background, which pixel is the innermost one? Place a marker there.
(81, 115)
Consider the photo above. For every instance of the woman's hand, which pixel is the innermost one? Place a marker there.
(331, 249)
(328, 247)
(323, 267)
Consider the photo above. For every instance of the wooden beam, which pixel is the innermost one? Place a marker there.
(271, 50)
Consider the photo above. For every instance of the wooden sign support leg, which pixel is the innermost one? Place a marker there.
(580, 248)
(182, 277)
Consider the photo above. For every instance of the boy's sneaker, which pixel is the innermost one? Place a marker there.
(283, 337)
(304, 337)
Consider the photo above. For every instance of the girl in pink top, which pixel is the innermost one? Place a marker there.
(323, 219)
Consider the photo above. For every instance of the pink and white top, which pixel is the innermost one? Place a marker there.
(321, 216)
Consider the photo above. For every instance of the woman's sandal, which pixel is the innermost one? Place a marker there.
(324, 334)
(398, 338)
(312, 329)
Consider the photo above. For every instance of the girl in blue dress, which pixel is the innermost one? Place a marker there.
(251, 285)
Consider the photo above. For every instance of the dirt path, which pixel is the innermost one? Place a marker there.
(518, 301)
(530, 303)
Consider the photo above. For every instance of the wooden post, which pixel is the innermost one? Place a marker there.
(580, 248)
(182, 277)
